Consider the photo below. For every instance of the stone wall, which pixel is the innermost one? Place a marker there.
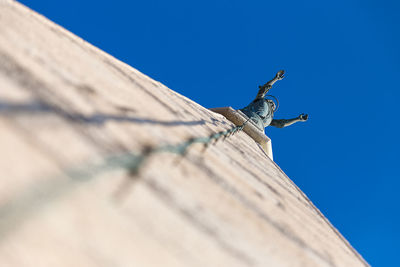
(72, 116)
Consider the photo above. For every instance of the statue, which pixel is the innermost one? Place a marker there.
(261, 110)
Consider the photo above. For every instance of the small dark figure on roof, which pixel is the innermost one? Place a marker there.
(261, 110)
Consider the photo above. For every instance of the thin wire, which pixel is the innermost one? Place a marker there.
(180, 148)
(15, 211)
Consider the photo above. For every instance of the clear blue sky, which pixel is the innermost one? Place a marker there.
(343, 63)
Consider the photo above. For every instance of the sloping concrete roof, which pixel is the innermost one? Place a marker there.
(67, 108)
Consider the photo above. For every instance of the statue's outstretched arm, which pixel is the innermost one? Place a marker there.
(265, 88)
(284, 123)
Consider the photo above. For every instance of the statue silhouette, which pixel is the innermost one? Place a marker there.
(261, 110)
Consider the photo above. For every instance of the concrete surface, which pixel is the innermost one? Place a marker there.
(66, 106)
(251, 129)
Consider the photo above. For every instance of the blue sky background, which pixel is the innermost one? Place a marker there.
(342, 60)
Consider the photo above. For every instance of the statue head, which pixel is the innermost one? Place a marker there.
(271, 103)
(274, 106)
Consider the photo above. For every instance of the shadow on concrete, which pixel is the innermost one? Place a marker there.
(40, 107)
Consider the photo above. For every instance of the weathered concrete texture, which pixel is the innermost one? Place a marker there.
(65, 105)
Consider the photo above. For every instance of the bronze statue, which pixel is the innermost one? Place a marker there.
(261, 110)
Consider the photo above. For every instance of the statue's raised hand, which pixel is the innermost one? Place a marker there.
(303, 117)
(280, 75)
(266, 87)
